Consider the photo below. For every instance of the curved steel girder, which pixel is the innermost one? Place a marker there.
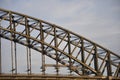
(18, 41)
(59, 27)
(83, 42)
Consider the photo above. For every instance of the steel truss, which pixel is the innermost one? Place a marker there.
(80, 55)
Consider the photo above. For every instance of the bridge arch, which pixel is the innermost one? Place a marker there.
(71, 50)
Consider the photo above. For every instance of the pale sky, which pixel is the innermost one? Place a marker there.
(97, 20)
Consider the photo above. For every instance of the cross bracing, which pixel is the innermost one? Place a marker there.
(80, 55)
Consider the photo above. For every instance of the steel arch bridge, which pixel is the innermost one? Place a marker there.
(83, 58)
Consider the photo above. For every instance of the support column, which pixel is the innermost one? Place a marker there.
(30, 60)
(69, 52)
(15, 50)
(42, 47)
(0, 55)
(28, 46)
(56, 53)
(95, 55)
(29, 71)
(109, 69)
(12, 59)
(82, 56)
(12, 44)
(14, 39)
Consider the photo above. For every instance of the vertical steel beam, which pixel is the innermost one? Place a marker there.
(118, 73)
(56, 43)
(27, 60)
(12, 36)
(109, 69)
(29, 71)
(42, 46)
(69, 51)
(95, 55)
(30, 60)
(15, 50)
(12, 59)
(15, 47)
(82, 56)
(0, 53)
(28, 43)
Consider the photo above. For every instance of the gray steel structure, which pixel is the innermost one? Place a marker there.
(79, 54)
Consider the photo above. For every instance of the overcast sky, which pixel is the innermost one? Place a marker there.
(97, 20)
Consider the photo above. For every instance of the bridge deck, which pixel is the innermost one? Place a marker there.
(54, 77)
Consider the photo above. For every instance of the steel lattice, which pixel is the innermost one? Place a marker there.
(68, 49)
